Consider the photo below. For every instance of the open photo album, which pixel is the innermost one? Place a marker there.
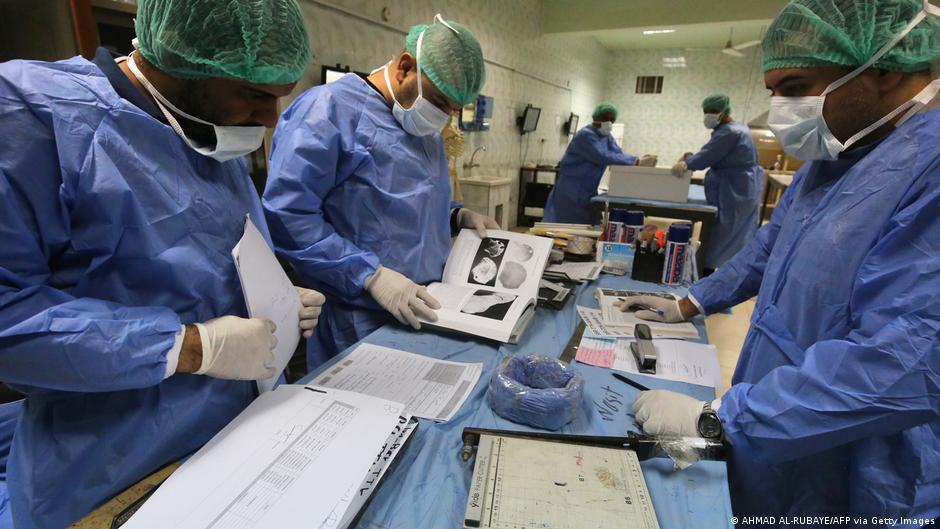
(490, 286)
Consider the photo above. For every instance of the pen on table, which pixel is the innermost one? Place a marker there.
(660, 312)
(633, 383)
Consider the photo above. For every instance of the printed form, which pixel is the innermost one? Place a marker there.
(429, 388)
(295, 454)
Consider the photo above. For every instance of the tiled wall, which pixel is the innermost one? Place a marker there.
(670, 123)
(558, 74)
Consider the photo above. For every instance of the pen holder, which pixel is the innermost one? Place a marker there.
(648, 263)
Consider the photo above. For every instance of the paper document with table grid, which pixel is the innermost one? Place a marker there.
(534, 484)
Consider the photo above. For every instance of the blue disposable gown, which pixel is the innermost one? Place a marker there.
(835, 407)
(114, 233)
(348, 190)
(581, 169)
(733, 184)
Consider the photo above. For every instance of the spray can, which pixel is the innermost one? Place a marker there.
(633, 225)
(615, 225)
(677, 251)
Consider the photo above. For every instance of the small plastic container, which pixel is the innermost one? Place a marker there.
(536, 390)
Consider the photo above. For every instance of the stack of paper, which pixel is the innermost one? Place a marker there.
(587, 271)
(296, 453)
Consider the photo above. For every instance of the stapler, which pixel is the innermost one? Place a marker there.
(644, 352)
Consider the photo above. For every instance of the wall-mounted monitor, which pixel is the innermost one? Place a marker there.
(530, 119)
(571, 126)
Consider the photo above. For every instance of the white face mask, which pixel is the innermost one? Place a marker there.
(423, 118)
(712, 120)
(799, 124)
(605, 128)
(230, 141)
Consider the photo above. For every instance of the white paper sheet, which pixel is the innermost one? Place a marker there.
(269, 294)
(403, 430)
(615, 318)
(293, 454)
(679, 360)
(594, 321)
(429, 388)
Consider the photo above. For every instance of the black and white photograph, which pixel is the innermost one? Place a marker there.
(486, 261)
(492, 305)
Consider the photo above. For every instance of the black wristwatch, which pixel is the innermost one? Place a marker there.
(709, 425)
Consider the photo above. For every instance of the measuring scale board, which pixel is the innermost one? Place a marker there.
(532, 484)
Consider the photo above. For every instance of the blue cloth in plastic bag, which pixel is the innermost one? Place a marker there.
(536, 390)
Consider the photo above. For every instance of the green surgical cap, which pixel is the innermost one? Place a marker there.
(719, 102)
(258, 41)
(813, 33)
(602, 109)
(451, 58)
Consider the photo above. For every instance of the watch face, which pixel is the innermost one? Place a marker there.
(709, 426)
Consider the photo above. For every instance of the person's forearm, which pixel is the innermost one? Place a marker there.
(687, 308)
(191, 353)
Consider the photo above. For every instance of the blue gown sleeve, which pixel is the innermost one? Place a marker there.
(882, 378)
(596, 149)
(718, 146)
(315, 149)
(739, 279)
(49, 339)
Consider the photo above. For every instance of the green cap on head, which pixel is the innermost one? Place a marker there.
(719, 102)
(814, 33)
(602, 109)
(451, 58)
(258, 41)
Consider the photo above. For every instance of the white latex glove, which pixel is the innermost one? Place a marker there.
(471, 219)
(664, 310)
(679, 169)
(648, 160)
(399, 295)
(662, 412)
(237, 348)
(312, 302)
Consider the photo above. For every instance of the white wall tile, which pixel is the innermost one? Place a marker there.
(670, 123)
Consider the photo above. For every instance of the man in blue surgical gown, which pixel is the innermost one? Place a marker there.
(358, 196)
(733, 182)
(590, 152)
(835, 407)
(122, 192)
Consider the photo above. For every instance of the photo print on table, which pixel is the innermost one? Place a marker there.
(486, 261)
(492, 305)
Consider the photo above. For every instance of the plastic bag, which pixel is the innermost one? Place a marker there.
(536, 390)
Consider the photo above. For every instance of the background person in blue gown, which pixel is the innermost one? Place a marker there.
(835, 407)
(359, 198)
(123, 189)
(590, 152)
(733, 182)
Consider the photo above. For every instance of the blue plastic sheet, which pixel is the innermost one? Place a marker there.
(536, 390)
(428, 488)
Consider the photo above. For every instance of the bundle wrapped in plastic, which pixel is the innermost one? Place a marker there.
(536, 390)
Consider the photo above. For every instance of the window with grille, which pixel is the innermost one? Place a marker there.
(649, 84)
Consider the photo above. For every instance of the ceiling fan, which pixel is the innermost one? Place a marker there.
(735, 51)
